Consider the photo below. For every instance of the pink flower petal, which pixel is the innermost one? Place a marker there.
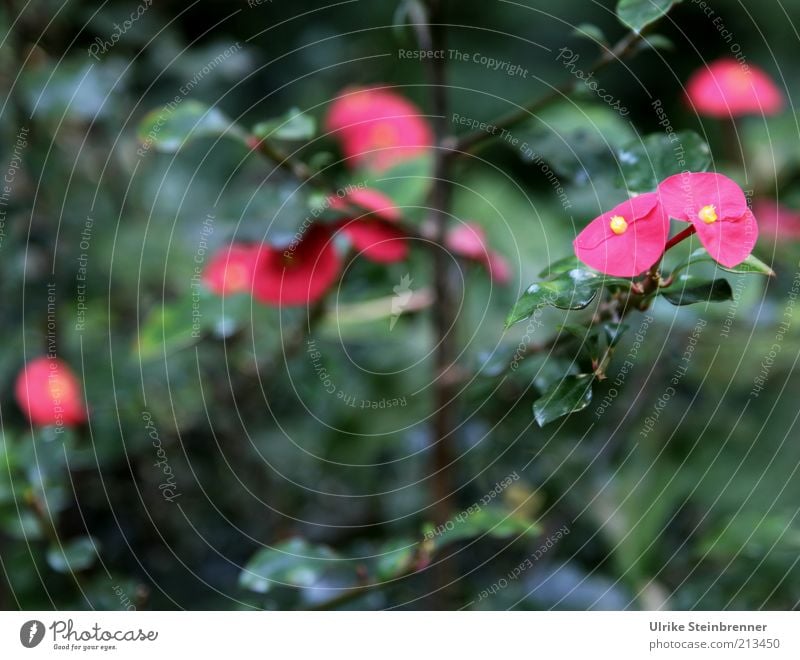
(729, 242)
(631, 252)
(684, 195)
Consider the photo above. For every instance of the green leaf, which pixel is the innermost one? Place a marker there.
(561, 266)
(646, 162)
(688, 289)
(638, 14)
(574, 289)
(749, 266)
(168, 129)
(294, 125)
(571, 394)
(491, 521)
(592, 32)
(295, 562)
(75, 555)
(656, 42)
(406, 183)
(166, 329)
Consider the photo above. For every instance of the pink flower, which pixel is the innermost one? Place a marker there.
(300, 274)
(469, 241)
(726, 88)
(776, 219)
(231, 270)
(626, 241)
(377, 128)
(717, 208)
(49, 393)
(371, 231)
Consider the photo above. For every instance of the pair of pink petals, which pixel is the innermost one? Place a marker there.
(628, 240)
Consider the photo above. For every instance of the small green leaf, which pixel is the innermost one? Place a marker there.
(571, 394)
(656, 42)
(592, 32)
(74, 555)
(749, 266)
(295, 562)
(294, 125)
(638, 14)
(651, 159)
(168, 129)
(491, 521)
(573, 289)
(688, 289)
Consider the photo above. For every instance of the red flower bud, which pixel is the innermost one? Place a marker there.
(49, 393)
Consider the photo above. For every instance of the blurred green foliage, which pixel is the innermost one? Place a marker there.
(289, 496)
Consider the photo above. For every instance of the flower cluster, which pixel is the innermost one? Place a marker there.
(632, 237)
(376, 129)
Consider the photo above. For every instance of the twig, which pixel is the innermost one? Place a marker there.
(471, 140)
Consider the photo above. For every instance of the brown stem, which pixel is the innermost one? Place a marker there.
(431, 35)
(469, 141)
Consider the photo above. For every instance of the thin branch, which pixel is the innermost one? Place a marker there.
(465, 143)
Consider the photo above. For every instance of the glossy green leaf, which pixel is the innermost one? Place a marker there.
(573, 289)
(646, 162)
(74, 555)
(294, 125)
(638, 14)
(749, 266)
(571, 394)
(295, 562)
(561, 266)
(689, 289)
(168, 129)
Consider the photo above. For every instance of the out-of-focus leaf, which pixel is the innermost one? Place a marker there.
(638, 14)
(647, 161)
(656, 42)
(491, 521)
(688, 289)
(571, 394)
(74, 555)
(577, 140)
(294, 125)
(295, 562)
(592, 32)
(406, 183)
(394, 558)
(168, 129)
(750, 265)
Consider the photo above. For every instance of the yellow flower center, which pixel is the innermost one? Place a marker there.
(618, 224)
(708, 214)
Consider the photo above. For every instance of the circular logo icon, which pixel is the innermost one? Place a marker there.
(31, 633)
